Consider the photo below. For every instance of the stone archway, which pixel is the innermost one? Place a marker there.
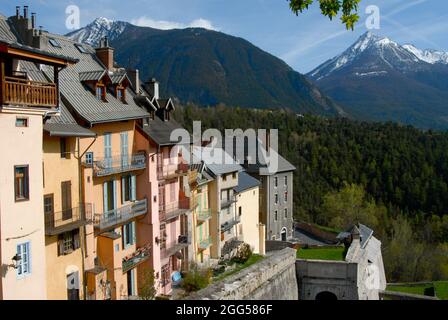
(284, 234)
(326, 296)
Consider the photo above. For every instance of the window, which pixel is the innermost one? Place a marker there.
(54, 43)
(276, 198)
(224, 178)
(100, 92)
(172, 192)
(65, 149)
(276, 182)
(234, 175)
(48, 204)
(22, 122)
(286, 213)
(286, 196)
(89, 158)
(121, 94)
(240, 211)
(80, 48)
(24, 263)
(275, 215)
(128, 188)
(21, 183)
(286, 181)
(128, 234)
(68, 242)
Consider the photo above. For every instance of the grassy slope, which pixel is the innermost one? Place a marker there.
(333, 254)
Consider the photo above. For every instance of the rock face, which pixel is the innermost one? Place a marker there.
(273, 278)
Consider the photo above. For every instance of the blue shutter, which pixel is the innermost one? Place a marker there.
(19, 253)
(133, 188)
(105, 197)
(28, 250)
(115, 194)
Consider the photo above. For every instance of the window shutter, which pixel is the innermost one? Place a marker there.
(134, 238)
(76, 240)
(105, 197)
(133, 188)
(123, 189)
(115, 194)
(60, 245)
(124, 235)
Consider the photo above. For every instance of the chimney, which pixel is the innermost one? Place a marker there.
(105, 53)
(25, 12)
(134, 76)
(153, 87)
(17, 12)
(33, 20)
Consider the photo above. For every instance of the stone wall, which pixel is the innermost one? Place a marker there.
(273, 278)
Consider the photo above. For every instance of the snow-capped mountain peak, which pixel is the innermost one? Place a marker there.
(379, 55)
(97, 29)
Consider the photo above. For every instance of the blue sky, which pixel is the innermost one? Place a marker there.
(303, 42)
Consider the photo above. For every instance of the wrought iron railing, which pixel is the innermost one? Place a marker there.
(121, 215)
(172, 247)
(67, 220)
(226, 226)
(118, 164)
(167, 171)
(203, 214)
(227, 203)
(140, 255)
(205, 243)
(173, 209)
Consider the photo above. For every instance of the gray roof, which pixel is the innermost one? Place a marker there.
(91, 75)
(6, 34)
(366, 233)
(80, 98)
(217, 160)
(160, 131)
(262, 167)
(246, 182)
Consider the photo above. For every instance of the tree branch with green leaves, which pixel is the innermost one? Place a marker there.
(331, 8)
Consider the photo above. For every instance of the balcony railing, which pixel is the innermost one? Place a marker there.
(118, 164)
(171, 248)
(227, 203)
(121, 215)
(226, 226)
(173, 209)
(203, 214)
(67, 220)
(205, 243)
(139, 256)
(17, 91)
(170, 171)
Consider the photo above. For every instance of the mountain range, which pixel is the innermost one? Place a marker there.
(379, 79)
(206, 67)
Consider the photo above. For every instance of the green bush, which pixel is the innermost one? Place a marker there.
(196, 279)
(243, 253)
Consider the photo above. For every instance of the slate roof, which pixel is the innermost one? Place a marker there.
(160, 131)
(80, 98)
(217, 160)
(91, 75)
(246, 182)
(6, 34)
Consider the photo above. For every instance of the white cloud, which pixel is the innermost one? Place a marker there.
(167, 25)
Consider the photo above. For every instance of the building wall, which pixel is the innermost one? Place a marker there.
(274, 227)
(248, 200)
(58, 267)
(22, 222)
(201, 230)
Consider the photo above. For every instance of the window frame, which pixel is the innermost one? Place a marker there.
(26, 186)
(19, 271)
(26, 122)
(49, 196)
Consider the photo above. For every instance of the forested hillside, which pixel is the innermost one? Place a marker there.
(395, 177)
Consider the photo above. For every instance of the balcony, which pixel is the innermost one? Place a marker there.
(174, 209)
(139, 256)
(113, 218)
(205, 243)
(227, 203)
(171, 171)
(23, 92)
(170, 249)
(119, 164)
(68, 220)
(203, 214)
(226, 226)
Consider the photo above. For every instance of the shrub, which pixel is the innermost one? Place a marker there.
(147, 290)
(196, 278)
(243, 253)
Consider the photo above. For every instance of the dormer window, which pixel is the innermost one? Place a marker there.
(54, 43)
(101, 92)
(167, 115)
(80, 48)
(121, 94)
